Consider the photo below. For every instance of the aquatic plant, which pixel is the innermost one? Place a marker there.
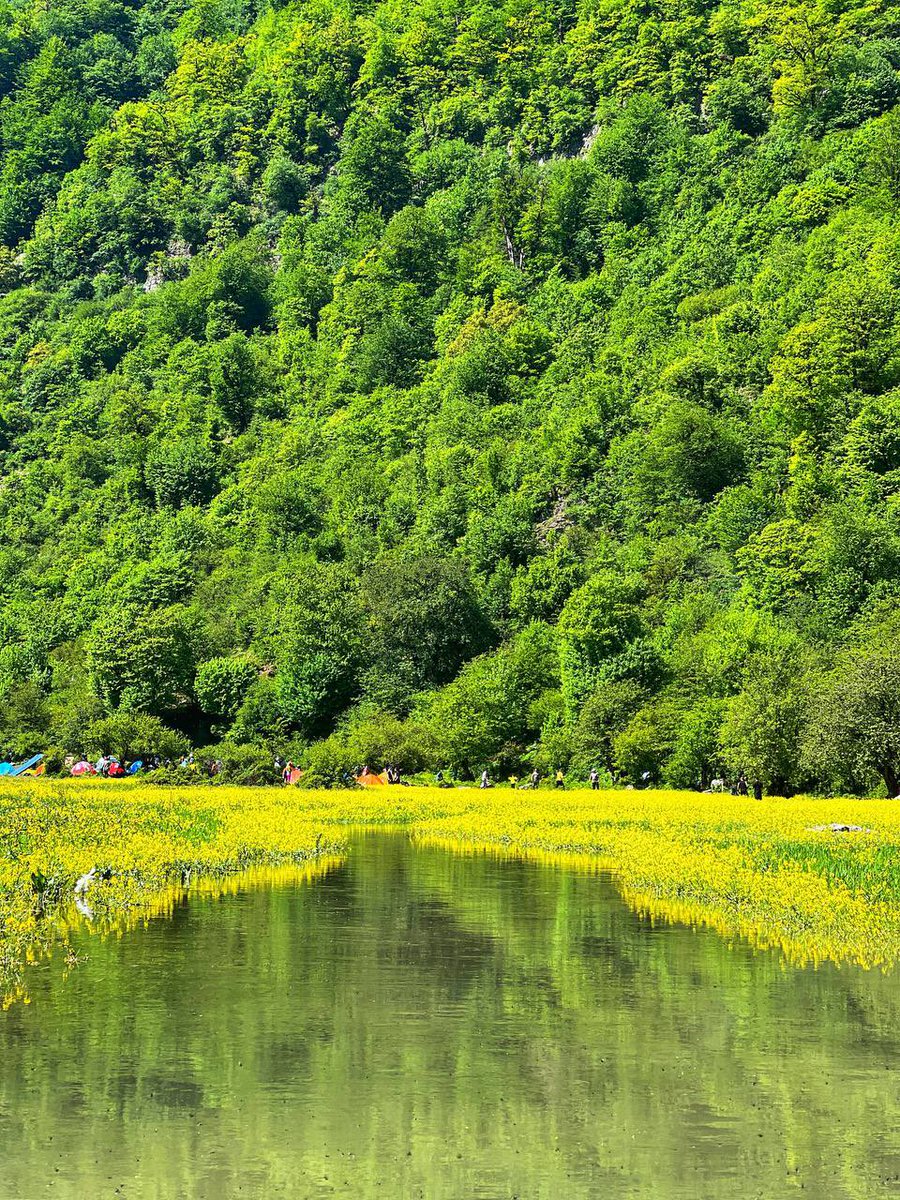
(148, 847)
(773, 871)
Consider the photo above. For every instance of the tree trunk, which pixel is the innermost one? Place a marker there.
(889, 775)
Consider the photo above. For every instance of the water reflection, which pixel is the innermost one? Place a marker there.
(416, 1023)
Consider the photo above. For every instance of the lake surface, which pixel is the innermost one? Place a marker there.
(420, 1024)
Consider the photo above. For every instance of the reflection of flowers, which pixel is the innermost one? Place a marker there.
(146, 849)
(774, 873)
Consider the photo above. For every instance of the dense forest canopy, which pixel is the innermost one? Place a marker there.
(455, 382)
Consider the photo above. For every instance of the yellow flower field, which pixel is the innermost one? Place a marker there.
(749, 869)
(753, 869)
(150, 846)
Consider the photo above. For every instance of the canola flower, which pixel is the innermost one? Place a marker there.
(748, 869)
(758, 870)
(150, 847)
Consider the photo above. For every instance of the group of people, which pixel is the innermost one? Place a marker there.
(533, 781)
(113, 766)
(109, 766)
(739, 787)
(390, 774)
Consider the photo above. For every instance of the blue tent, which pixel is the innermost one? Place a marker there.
(12, 769)
(26, 766)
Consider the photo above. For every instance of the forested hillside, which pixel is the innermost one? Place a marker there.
(454, 382)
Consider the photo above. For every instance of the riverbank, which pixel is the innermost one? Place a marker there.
(145, 847)
(770, 871)
(759, 870)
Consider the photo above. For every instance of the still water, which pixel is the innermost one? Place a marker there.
(419, 1024)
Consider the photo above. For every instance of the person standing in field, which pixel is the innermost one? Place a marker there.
(560, 779)
(287, 772)
(535, 777)
(594, 779)
(757, 790)
(485, 779)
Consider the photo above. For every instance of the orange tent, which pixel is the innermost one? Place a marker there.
(371, 780)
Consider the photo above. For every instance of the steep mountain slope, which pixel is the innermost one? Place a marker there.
(492, 384)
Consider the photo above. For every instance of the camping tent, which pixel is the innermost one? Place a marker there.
(368, 779)
(12, 769)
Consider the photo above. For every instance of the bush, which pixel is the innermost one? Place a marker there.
(130, 736)
(372, 738)
(244, 766)
(54, 760)
(177, 777)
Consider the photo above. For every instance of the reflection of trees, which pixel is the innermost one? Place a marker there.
(764, 1047)
(515, 1028)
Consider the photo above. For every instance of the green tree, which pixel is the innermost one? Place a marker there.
(24, 720)
(222, 683)
(316, 639)
(132, 737)
(763, 725)
(142, 659)
(602, 718)
(496, 706)
(697, 755)
(181, 472)
(855, 727)
(598, 621)
(423, 622)
(645, 745)
(260, 718)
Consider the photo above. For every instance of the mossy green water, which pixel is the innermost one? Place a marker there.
(418, 1023)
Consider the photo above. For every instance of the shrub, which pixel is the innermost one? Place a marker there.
(245, 765)
(130, 736)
